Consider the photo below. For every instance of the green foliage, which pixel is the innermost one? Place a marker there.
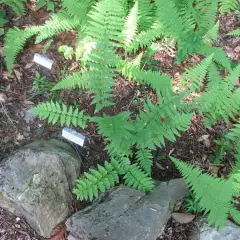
(17, 6)
(228, 5)
(191, 204)
(144, 157)
(67, 51)
(214, 194)
(235, 33)
(41, 85)
(55, 112)
(49, 3)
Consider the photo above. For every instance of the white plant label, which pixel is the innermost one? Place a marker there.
(45, 62)
(73, 136)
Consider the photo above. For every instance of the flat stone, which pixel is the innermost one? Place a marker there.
(230, 231)
(127, 214)
(36, 183)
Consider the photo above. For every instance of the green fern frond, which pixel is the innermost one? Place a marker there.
(227, 5)
(78, 9)
(145, 38)
(17, 6)
(235, 214)
(219, 57)
(168, 15)
(234, 134)
(118, 130)
(131, 25)
(144, 157)
(59, 22)
(14, 41)
(136, 178)
(213, 194)
(146, 14)
(77, 79)
(154, 79)
(160, 121)
(106, 19)
(234, 33)
(55, 112)
(193, 77)
(212, 33)
(91, 184)
(216, 105)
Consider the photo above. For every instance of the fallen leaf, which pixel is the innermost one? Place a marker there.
(205, 139)
(29, 65)
(59, 232)
(158, 165)
(29, 102)
(36, 48)
(18, 74)
(3, 98)
(183, 217)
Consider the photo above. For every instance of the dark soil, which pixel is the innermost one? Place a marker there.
(18, 126)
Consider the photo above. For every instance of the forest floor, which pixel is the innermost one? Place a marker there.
(18, 126)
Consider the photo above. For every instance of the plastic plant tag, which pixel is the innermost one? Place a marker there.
(73, 136)
(45, 62)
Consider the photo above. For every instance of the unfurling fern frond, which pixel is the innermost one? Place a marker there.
(131, 25)
(118, 130)
(59, 22)
(193, 77)
(213, 194)
(54, 112)
(96, 181)
(14, 42)
(227, 5)
(136, 178)
(234, 33)
(106, 20)
(144, 157)
(77, 79)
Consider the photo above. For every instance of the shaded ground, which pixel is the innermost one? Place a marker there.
(18, 126)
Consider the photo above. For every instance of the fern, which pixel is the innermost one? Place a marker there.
(96, 181)
(17, 6)
(235, 33)
(193, 78)
(227, 5)
(77, 79)
(144, 157)
(14, 42)
(214, 103)
(78, 9)
(234, 134)
(214, 194)
(106, 19)
(146, 14)
(118, 130)
(131, 25)
(59, 22)
(54, 112)
(136, 178)
(160, 121)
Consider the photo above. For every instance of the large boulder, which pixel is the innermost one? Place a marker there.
(36, 183)
(127, 214)
(230, 231)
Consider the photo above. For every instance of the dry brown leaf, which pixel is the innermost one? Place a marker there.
(183, 217)
(205, 139)
(59, 232)
(3, 98)
(36, 48)
(29, 102)
(18, 74)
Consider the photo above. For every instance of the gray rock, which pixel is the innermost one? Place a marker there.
(229, 232)
(127, 214)
(36, 182)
